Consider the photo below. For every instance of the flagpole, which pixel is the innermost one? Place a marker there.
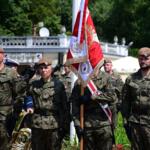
(82, 119)
(75, 9)
(82, 87)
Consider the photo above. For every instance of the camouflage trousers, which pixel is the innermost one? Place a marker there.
(48, 139)
(98, 139)
(4, 139)
(140, 137)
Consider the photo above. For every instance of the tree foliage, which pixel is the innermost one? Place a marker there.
(46, 12)
(14, 18)
(124, 18)
(100, 11)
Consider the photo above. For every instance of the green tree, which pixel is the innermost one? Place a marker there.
(100, 11)
(126, 20)
(14, 18)
(66, 14)
(47, 12)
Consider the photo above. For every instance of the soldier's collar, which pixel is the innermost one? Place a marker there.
(145, 76)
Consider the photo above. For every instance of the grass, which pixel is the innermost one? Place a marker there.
(120, 137)
(120, 134)
(67, 145)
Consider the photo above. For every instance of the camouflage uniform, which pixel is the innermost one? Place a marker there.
(97, 128)
(7, 94)
(136, 109)
(66, 79)
(49, 98)
(117, 83)
(136, 103)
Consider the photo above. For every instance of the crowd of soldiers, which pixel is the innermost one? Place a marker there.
(46, 97)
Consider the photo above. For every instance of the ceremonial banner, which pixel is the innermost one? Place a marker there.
(78, 52)
(85, 52)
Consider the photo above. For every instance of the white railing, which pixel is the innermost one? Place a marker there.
(59, 43)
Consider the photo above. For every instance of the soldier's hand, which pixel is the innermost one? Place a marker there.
(94, 96)
(84, 99)
(30, 110)
(79, 131)
(97, 93)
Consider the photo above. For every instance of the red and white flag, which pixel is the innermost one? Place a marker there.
(85, 53)
(78, 49)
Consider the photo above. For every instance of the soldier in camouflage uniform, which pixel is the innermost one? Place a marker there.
(49, 102)
(97, 131)
(136, 103)
(7, 94)
(118, 84)
(66, 79)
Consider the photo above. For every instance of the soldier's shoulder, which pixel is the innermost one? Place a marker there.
(10, 72)
(7, 69)
(103, 75)
(136, 74)
(36, 82)
(116, 74)
(57, 81)
(133, 76)
(77, 82)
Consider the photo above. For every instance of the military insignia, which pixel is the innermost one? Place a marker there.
(77, 49)
(45, 94)
(98, 92)
(84, 68)
(74, 45)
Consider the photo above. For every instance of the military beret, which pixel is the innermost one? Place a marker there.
(145, 51)
(107, 60)
(1, 50)
(45, 61)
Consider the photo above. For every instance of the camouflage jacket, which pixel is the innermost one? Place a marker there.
(7, 90)
(117, 83)
(49, 99)
(66, 79)
(136, 99)
(94, 116)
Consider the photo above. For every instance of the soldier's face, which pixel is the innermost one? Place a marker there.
(45, 71)
(108, 67)
(144, 61)
(1, 57)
